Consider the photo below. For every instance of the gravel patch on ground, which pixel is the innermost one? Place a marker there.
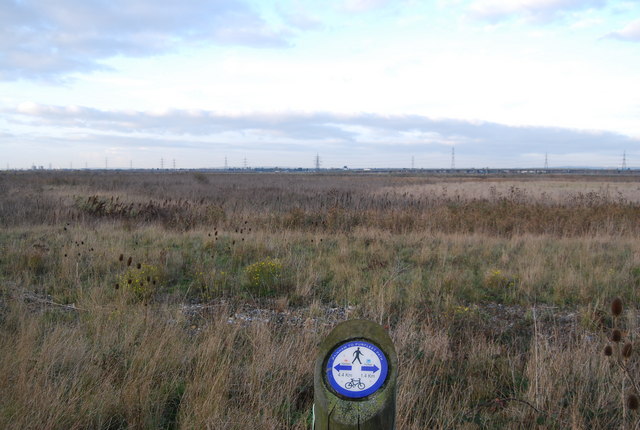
(310, 317)
(495, 319)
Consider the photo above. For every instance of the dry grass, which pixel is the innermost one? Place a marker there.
(494, 296)
(329, 204)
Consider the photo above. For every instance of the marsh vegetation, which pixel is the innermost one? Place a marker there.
(180, 300)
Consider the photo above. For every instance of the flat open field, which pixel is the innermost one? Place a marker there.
(196, 300)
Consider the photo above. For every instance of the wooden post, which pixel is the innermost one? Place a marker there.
(355, 379)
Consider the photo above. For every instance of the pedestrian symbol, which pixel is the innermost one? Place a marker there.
(356, 369)
(357, 354)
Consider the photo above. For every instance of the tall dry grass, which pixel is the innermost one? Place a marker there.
(494, 302)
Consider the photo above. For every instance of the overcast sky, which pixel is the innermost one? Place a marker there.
(363, 83)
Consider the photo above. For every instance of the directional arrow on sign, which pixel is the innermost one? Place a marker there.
(340, 367)
(373, 368)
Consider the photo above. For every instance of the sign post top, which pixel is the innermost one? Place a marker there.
(355, 378)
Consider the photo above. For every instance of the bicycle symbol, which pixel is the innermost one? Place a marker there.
(357, 383)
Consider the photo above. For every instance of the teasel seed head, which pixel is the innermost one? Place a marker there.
(121, 257)
(627, 349)
(616, 307)
(139, 266)
(129, 261)
(616, 335)
(117, 286)
(608, 351)
(632, 402)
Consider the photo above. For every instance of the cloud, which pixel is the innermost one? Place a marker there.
(631, 32)
(363, 5)
(297, 18)
(383, 133)
(46, 40)
(533, 10)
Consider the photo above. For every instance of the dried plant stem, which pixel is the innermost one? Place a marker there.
(47, 302)
(624, 404)
(398, 269)
(535, 356)
(628, 375)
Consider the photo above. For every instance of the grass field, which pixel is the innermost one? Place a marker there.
(177, 299)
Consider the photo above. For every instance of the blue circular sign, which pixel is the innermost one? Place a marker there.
(357, 369)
